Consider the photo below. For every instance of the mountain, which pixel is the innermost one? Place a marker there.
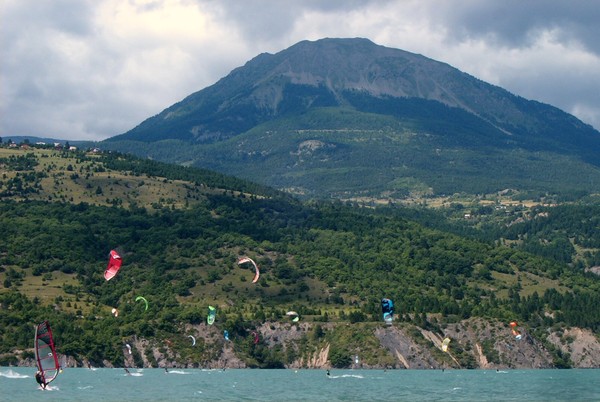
(347, 117)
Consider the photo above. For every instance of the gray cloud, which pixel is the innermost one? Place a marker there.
(91, 69)
(514, 22)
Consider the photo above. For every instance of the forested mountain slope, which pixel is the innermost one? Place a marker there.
(347, 118)
(180, 232)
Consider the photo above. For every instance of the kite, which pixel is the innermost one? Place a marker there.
(387, 308)
(45, 355)
(293, 314)
(193, 340)
(114, 264)
(445, 344)
(515, 331)
(244, 260)
(128, 346)
(115, 312)
(226, 335)
(212, 313)
(144, 300)
(255, 337)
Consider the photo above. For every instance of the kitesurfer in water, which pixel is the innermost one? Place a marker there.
(127, 371)
(166, 371)
(328, 374)
(38, 378)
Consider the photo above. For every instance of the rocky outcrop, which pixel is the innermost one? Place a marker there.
(493, 346)
(475, 343)
(318, 360)
(409, 353)
(581, 345)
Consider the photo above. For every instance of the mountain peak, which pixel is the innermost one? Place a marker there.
(329, 66)
(265, 109)
(359, 64)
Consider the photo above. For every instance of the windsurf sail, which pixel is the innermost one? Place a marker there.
(212, 313)
(114, 264)
(45, 354)
(244, 260)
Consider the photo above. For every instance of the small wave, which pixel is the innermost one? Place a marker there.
(51, 388)
(12, 374)
(346, 376)
(177, 372)
(136, 374)
(86, 387)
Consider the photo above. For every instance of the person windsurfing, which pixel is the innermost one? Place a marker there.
(46, 358)
(40, 380)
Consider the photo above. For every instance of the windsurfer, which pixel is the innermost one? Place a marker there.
(40, 380)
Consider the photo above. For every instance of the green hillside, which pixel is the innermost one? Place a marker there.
(180, 232)
(345, 153)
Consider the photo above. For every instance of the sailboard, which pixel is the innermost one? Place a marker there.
(45, 353)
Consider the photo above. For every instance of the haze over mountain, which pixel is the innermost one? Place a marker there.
(346, 117)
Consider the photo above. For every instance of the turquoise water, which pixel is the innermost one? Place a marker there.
(148, 385)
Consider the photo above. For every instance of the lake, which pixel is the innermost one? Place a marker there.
(148, 385)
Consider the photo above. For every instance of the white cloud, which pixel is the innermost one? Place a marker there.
(91, 69)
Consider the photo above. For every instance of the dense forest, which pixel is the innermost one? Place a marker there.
(62, 212)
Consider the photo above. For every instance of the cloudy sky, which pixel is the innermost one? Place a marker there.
(92, 69)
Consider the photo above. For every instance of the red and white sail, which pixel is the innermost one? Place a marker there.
(45, 353)
(114, 264)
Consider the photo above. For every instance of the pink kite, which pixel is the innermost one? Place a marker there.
(114, 264)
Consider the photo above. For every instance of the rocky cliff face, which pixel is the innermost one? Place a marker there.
(475, 343)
